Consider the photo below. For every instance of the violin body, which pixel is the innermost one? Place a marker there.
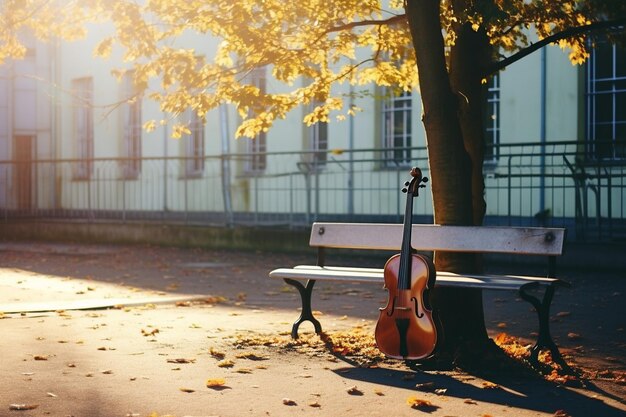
(406, 328)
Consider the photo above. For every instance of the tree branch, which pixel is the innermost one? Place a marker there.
(567, 33)
(352, 25)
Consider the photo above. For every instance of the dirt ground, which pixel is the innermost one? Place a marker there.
(198, 332)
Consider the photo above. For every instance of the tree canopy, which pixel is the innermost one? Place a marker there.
(309, 47)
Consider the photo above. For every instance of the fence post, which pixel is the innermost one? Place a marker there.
(509, 189)
(186, 193)
(124, 196)
(89, 210)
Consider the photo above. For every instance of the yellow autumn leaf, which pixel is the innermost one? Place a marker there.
(227, 363)
(215, 382)
(216, 353)
(416, 402)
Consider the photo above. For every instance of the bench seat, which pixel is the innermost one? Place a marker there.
(444, 279)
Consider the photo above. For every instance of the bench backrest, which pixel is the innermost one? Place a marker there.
(514, 240)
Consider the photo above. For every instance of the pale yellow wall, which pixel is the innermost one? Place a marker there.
(520, 99)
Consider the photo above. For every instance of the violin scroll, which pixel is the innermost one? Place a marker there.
(416, 182)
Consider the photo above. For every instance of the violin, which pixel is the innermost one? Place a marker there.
(406, 328)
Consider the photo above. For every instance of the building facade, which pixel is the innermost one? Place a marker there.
(72, 143)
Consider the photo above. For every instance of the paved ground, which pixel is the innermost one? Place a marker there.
(155, 354)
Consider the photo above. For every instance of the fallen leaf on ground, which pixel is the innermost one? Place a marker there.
(563, 313)
(22, 407)
(217, 354)
(426, 386)
(181, 360)
(215, 300)
(215, 382)
(354, 391)
(561, 413)
(315, 404)
(470, 401)
(152, 332)
(379, 393)
(251, 356)
(40, 357)
(50, 394)
(188, 390)
(573, 336)
(415, 402)
(227, 363)
(287, 401)
(490, 385)
(244, 371)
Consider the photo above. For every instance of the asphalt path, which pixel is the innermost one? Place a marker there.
(93, 330)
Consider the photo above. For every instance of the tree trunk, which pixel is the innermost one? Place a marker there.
(455, 167)
(468, 59)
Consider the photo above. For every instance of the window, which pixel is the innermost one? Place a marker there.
(131, 125)
(606, 101)
(194, 144)
(317, 141)
(397, 128)
(491, 116)
(82, 105)
(256, 147)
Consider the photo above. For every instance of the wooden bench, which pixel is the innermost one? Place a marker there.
(547, 242)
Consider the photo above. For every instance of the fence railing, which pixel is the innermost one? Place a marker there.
(554, 184)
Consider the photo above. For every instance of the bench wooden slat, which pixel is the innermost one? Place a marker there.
(375, 276)
(513, 240)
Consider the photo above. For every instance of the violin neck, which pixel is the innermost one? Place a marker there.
(404, 272)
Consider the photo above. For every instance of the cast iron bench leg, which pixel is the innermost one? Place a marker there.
(306, 313)
(544, 340)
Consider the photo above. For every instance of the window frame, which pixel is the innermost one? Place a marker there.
(194, 145)
(132, 127)
(602, 81)
(83, 128)
(394, 105)
(256, 147)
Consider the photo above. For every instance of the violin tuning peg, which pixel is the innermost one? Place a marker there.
(425, 179)
(406, 184)
(404, 190)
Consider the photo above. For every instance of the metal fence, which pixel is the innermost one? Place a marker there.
(552, 184)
